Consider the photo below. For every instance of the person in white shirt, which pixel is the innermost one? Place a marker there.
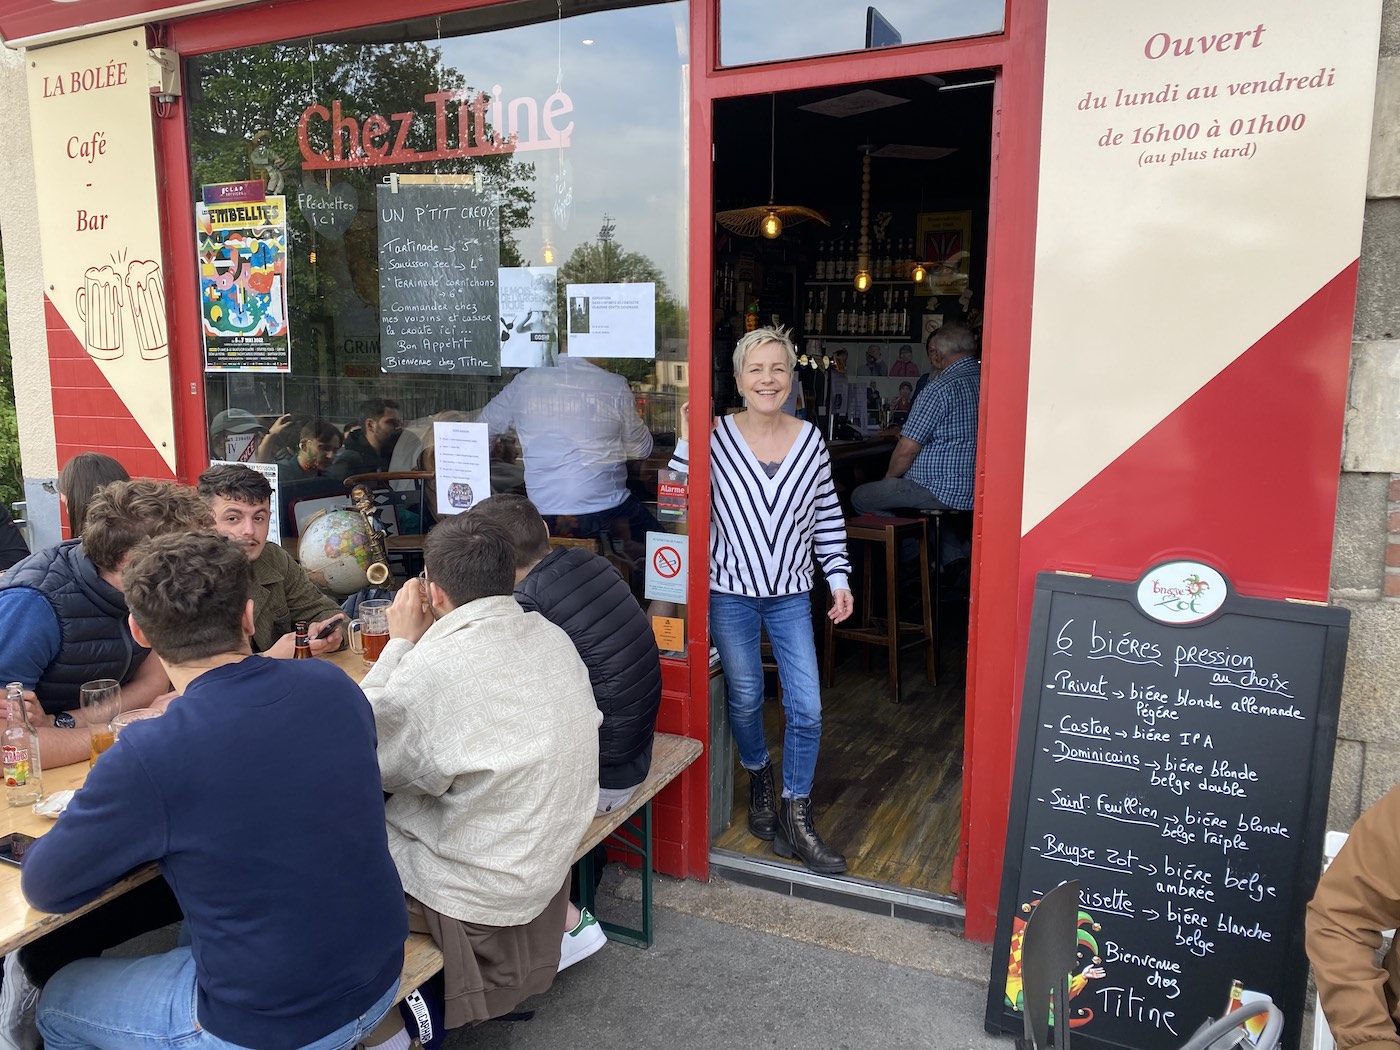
(488, 749)
(578, 426)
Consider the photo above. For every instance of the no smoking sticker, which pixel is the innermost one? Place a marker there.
(667, 557)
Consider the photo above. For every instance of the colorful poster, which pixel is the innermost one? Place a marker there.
(529, 325)
(242, 251)
(612, 320)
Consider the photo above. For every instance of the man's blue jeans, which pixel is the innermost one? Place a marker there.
(735, 621)
(115, 1004)
(887, 494)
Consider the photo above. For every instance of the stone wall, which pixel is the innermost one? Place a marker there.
(1366, 552)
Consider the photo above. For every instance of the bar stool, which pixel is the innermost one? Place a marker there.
(893, 634)
(938, 522)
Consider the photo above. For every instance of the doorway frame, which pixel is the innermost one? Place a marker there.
(1017, 57)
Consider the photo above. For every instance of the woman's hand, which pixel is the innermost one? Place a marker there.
(842, 605)
(685, 421)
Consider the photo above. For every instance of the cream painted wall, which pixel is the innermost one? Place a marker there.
(19, 224)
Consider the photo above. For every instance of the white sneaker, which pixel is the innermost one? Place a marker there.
(18, 1001)
(582, 941)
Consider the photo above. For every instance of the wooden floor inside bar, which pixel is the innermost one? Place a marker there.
(888, 792)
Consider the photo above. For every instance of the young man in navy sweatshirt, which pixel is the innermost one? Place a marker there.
(257, 794)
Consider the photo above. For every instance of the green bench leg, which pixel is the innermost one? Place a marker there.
(636, 843)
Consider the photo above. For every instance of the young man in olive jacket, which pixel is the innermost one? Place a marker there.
(582, 593)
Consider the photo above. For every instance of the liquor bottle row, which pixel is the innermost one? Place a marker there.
(885, 312)
(891, 260)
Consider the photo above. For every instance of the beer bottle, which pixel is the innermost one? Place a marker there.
(303, 649)
(19, 751)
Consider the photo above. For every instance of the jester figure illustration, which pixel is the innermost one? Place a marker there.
(1089, 968)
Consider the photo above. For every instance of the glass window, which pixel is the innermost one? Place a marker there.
(774, 30)
(477, 218)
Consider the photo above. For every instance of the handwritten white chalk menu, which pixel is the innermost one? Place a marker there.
(1175, 756)
(439, 253)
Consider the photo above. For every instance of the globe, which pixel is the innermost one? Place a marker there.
(334, 551)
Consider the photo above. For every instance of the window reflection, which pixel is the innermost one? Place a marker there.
(573, 127)
(774, 30)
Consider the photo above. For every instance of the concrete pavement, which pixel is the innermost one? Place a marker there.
(738, 967)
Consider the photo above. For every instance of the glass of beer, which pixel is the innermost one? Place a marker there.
(101, 701)
(369, 631)
(125, 718)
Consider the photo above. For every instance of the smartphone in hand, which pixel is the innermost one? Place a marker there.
(329, 628)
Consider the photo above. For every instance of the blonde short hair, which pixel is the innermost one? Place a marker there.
(758, 337)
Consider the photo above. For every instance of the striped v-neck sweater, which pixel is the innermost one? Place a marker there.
(763, 530)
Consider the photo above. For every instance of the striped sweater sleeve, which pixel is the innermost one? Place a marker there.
(829, 536)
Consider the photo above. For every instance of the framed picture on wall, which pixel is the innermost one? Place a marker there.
(944, 246)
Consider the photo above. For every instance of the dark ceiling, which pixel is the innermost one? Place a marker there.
(818, 158)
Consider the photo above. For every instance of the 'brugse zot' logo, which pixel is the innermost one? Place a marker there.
(1181, 592)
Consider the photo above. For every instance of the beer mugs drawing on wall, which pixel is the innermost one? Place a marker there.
(146, 295)
(100, 307)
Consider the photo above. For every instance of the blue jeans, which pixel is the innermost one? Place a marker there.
(734, 628)
(887, 494)
(116, 1004)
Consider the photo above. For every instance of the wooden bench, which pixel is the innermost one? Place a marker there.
(627, 829)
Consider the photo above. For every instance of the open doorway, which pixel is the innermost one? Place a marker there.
(917, 153)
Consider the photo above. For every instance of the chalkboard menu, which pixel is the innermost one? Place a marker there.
(439, 253)
(1180, 771)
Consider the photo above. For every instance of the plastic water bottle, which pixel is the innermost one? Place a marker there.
(19, 752)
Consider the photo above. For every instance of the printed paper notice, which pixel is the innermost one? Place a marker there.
(666, 562)
(269, 471)
(670, 633)
(463, 461)
(529, 327)
(612, 320)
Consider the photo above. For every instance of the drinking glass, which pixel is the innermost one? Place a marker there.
(101, 701)
(369, 631)
(125, 719)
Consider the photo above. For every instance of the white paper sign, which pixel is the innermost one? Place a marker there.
(463, 464)
(611, 320)
(667, 558)
(269, 471)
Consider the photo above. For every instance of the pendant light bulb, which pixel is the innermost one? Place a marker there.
(772, 226)
(863, 280)
(919, 273)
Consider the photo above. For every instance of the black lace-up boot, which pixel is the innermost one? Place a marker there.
(763, 817)
(797, 835)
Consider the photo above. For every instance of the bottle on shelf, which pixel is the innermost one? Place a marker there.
(819, 321)
(819, 265)
(19, 752)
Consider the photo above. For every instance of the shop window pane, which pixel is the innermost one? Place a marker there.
(775, 30)
(465, 200)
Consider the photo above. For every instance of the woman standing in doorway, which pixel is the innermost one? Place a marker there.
(772, 504)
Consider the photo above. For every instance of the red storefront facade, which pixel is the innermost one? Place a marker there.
(1194, 477)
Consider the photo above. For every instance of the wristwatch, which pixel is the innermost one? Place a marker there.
(63, 720)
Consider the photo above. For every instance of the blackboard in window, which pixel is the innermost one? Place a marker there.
(1175, 755)
(439, 253)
